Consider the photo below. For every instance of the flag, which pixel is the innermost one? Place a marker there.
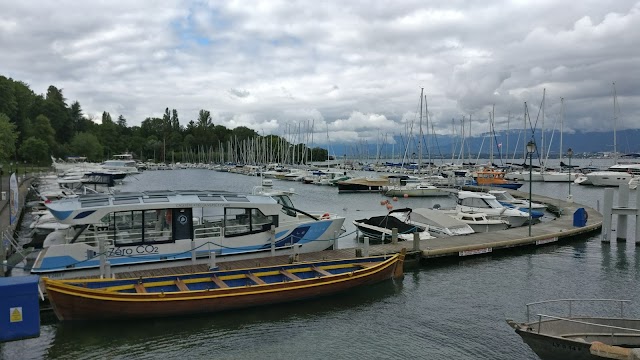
(500, 145)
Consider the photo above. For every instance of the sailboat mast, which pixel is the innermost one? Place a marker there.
(615, 125)
(561, 125)
(420, 138)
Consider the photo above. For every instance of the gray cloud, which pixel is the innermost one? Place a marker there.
(353, 68)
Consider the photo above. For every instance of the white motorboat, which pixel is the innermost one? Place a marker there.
(616, 175)
(560, 176)
(469, 201)
(440, 224)
(505, 197)
(479, 221)
(145, 230)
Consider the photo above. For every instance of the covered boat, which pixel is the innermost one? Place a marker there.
(380, 228)
(206, 292)
(440, 223)
(570, 336)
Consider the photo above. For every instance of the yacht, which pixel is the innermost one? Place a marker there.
(155, 229)
(615, 175)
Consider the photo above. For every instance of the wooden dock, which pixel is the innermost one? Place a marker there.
(546, 232)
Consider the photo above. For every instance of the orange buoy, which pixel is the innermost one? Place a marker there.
(389, 206)
(395, 198)
(406, 195)
(382, 202)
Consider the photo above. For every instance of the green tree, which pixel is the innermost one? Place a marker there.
(36, 151)
(86, 144)
(8, 138)
(55, 108)
(43, 130)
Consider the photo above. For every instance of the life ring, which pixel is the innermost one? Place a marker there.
(325, 216)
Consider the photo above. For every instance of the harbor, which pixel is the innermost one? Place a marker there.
(438, 261)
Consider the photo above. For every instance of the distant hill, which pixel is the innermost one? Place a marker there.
(628, 141)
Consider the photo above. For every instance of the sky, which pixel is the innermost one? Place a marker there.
(346, 71)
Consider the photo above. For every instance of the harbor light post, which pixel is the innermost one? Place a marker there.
(531, 148)
(569, 155)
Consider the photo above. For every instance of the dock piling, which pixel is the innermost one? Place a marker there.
(607, 214)
(394, 235)
(365, 247)
(416, 241)
(623, 202)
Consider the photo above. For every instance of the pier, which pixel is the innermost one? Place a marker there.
(547, 232)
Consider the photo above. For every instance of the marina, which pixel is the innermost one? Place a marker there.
(439, 256)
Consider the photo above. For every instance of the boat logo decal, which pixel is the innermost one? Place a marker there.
(182, 219)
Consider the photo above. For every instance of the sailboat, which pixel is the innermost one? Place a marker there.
(560, 176)
(620, 173)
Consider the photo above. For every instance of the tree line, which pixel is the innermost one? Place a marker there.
(34, 127)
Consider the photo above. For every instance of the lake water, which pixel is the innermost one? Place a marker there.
(447, 309)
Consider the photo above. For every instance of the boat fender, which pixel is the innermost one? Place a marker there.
(325, 216)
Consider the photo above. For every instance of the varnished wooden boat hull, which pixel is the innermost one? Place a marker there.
(72, 303)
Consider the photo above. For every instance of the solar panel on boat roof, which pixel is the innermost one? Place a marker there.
(159, 193)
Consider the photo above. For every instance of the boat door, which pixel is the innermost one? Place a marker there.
(182, 223)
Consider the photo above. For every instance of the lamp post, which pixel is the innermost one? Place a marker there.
(569, 155)
(531, 148)
(1, 180)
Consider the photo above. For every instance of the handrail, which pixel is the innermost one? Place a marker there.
(571, 301)
(540, 316)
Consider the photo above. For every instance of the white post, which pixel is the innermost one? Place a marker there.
(623, 202)
(606, 215)
(394, 235)
(107, 269)
(365, 250)
(103, 257)
(335, 240)
(416, 241)
(637, 217)
(273, 240)
(212, 260)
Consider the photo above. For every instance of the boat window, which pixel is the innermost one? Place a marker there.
(127, 200)
(493, 203)
(241, 221)
(210, 197)
(474, 202)
(140, 227)
(285, 201)
(157, 225)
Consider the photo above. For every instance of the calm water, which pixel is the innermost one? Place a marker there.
(452, 309)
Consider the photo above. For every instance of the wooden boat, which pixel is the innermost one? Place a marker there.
(580, 337)
(213, 291)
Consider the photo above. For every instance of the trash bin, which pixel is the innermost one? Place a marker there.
(580, 217)
(19, 308)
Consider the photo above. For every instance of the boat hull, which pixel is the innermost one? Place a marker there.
(557, 348)
(73, 303)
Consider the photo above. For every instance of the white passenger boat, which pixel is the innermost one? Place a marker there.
(155, 229)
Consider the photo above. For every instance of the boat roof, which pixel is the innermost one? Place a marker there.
(436, 218)
(473, 194)
(86, 205)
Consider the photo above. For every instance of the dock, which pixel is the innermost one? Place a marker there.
(547, 232)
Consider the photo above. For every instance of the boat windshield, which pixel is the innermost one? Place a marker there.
(493, 203)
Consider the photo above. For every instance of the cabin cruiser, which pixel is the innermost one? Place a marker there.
(480, 222)
(555, 335)
(439, 223)
(152, 229)
(469, 201)
(420, 189)
(615, 175)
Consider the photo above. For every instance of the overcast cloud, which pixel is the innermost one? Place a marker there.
(351, 69)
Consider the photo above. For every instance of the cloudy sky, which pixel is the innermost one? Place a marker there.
(351, 69)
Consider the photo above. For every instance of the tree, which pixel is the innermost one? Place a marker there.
(43, 130)
(122, 122)
(204, 119)
(8, 138)
(86, 144)
(36, 151)
(56, 110)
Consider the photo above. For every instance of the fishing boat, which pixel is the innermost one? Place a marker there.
(496, 178)
(144, 230)
(380, 228)
(214, 291)
(580, 337)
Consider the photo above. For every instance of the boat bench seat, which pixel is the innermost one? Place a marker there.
(321, 271)
(221, 284)
(140, 289)
(255, 279)
(289, 275)
(181, 285)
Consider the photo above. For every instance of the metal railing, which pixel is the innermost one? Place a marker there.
(572, 301)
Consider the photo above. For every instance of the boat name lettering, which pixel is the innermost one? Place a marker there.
(140, 249)
(475, 252)
(566, 346)
(546, 241)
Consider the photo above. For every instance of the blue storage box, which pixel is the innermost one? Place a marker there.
(19, 308)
